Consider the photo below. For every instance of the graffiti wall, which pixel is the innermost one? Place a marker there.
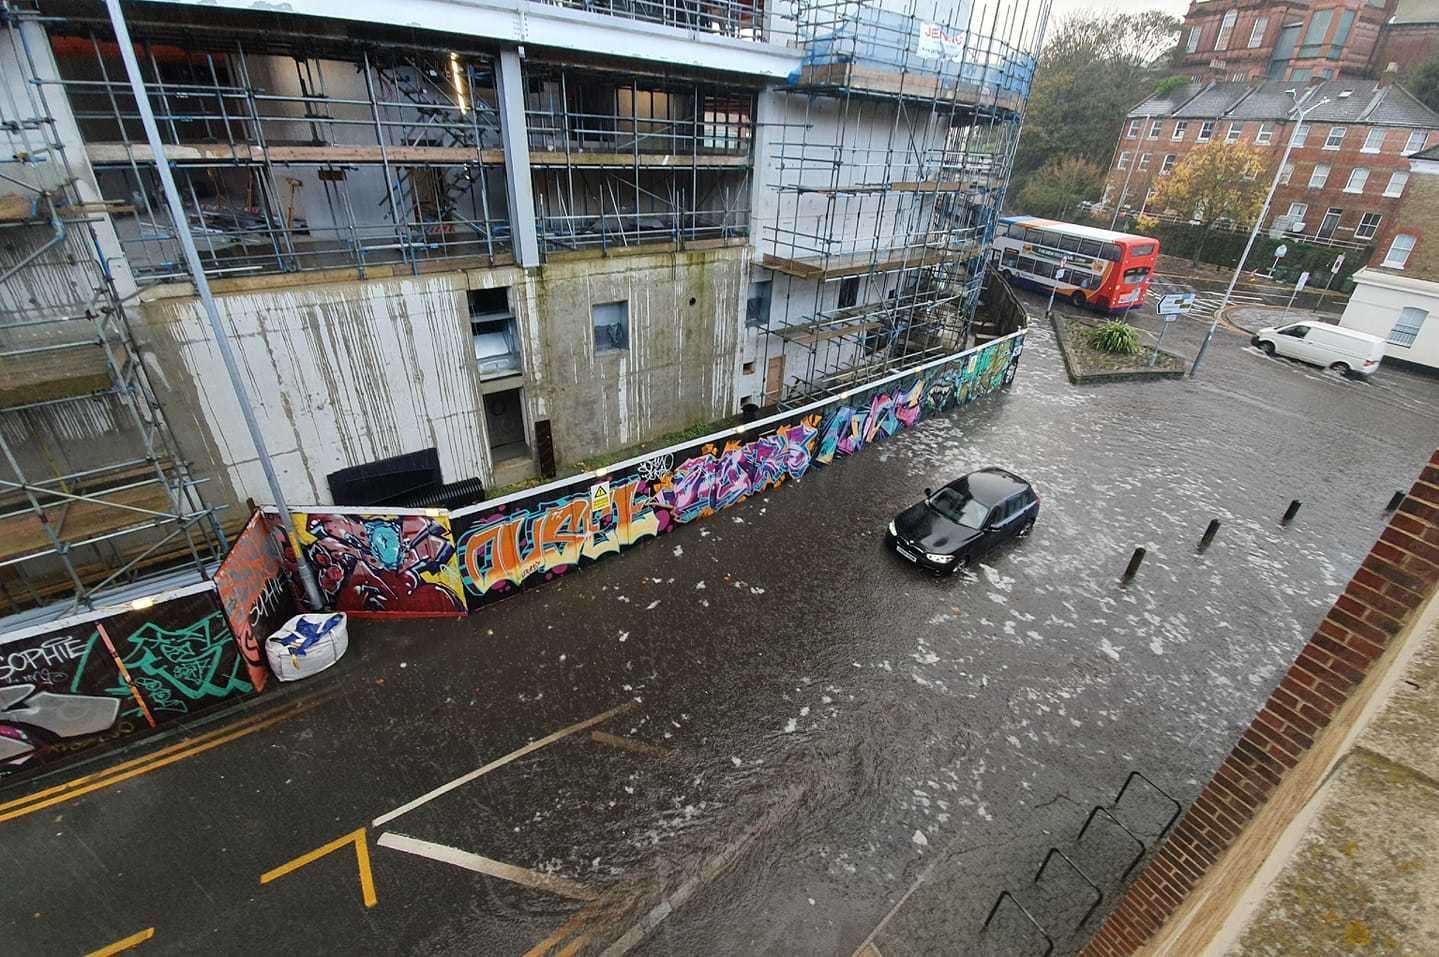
(255, 593)
(505, 547)
(396, 563)
(83, 682)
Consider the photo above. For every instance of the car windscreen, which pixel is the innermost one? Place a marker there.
(959, 508)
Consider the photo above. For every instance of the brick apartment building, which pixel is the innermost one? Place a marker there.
(1396, 297)
(1302, 40)
(1346, 178)
(1241, 40)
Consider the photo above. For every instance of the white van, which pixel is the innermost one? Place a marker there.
(1332, 347)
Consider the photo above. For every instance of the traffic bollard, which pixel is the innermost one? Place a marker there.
(1209, 534)
(1290, 512)
(1134, 562)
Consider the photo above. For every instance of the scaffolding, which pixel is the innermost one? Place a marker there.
(622, 160)
(297, 152)
(890, 162)
(77, 519)
(293, 152)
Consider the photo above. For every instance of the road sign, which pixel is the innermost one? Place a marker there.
(1303, 281)
(1173, 305)
(1338, 263)
(1282, 251)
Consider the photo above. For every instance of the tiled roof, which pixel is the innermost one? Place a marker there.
(1362, 102)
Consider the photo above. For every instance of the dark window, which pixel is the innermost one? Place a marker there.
(1110, 252)
(1135, 274)
(485, 302)
(1049, 239)
(1010, 257)
(1090, 248)
(1139, 252)
(756, 307)
(1069, 244)
(848, 292)
(1298, 332)
(612, 326)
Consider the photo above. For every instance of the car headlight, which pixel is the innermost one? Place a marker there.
(939, 559)
(893, 531)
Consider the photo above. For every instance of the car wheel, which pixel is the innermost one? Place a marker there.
(1079, 300)
(1340, 367)
(960, 562)
(1267, 348)
(1024, 532)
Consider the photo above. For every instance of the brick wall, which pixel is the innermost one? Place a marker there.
(1365, 35)
(1394, 581)
(1421, 207)
(1389, 159)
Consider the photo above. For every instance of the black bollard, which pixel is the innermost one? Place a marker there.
(1134, 562)
(1209, 534)
(1394, 501)
(1290, 512)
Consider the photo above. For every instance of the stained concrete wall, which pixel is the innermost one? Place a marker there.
(686, 310)
(346, 372)
(340, 373)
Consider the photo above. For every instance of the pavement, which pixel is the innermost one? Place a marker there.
(763, 733)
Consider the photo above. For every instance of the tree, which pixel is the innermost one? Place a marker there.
(1093, 69)
(1423, 82)
(1059, 186)
(1216, 183)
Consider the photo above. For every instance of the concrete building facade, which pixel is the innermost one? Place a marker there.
(493, 242)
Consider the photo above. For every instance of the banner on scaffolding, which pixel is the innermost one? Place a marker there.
(937, 43)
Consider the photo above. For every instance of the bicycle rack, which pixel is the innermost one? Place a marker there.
(1049, 941)
(1178, 808)
(1101, 809)
(1099, 894)
(1108, 812)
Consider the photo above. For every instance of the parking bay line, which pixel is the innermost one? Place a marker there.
(128, 943)
(501, 762)
(559, 886)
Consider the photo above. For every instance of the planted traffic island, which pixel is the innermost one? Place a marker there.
(1110, 351)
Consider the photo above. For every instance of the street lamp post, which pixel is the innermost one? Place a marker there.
(1302, 113)
(1129, 174)
(202, 289)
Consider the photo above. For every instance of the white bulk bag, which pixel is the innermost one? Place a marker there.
(307, 645)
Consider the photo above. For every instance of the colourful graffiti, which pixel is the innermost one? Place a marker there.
(61, 691)
(504, 549)
(255, 593)
(394, 564)
(177, 669)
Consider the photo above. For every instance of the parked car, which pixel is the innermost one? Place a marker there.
(966, 518)
(1333, 347)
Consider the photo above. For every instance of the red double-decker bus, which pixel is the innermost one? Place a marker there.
(1088, 266)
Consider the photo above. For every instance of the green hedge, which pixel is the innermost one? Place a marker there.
(1224, 248)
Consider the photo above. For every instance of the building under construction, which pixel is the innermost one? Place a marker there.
(455, 253)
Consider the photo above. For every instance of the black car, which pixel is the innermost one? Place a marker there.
(964, 519)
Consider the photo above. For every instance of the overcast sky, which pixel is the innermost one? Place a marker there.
(1063, 7)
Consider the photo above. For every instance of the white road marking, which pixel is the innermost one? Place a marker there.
(501, 762)
(445, 854)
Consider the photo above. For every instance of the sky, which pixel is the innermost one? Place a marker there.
(1064, 7)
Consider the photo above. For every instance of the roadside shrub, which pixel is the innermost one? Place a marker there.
(1115, 337)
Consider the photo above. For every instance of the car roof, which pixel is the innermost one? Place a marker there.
(993, 485)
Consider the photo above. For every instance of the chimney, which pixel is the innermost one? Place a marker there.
(1391, 73)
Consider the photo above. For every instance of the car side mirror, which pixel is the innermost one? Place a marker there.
(929, 493)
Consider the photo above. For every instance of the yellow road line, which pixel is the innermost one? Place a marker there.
(362, 863)
(124, 945)
(142, 759)
(586, 922)
(629, 744)
(106, 780)
(501, 762)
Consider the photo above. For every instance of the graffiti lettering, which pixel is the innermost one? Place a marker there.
(60, 650)
(175, 668)
(507, 549)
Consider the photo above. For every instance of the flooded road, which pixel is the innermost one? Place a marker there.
(763, 732)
